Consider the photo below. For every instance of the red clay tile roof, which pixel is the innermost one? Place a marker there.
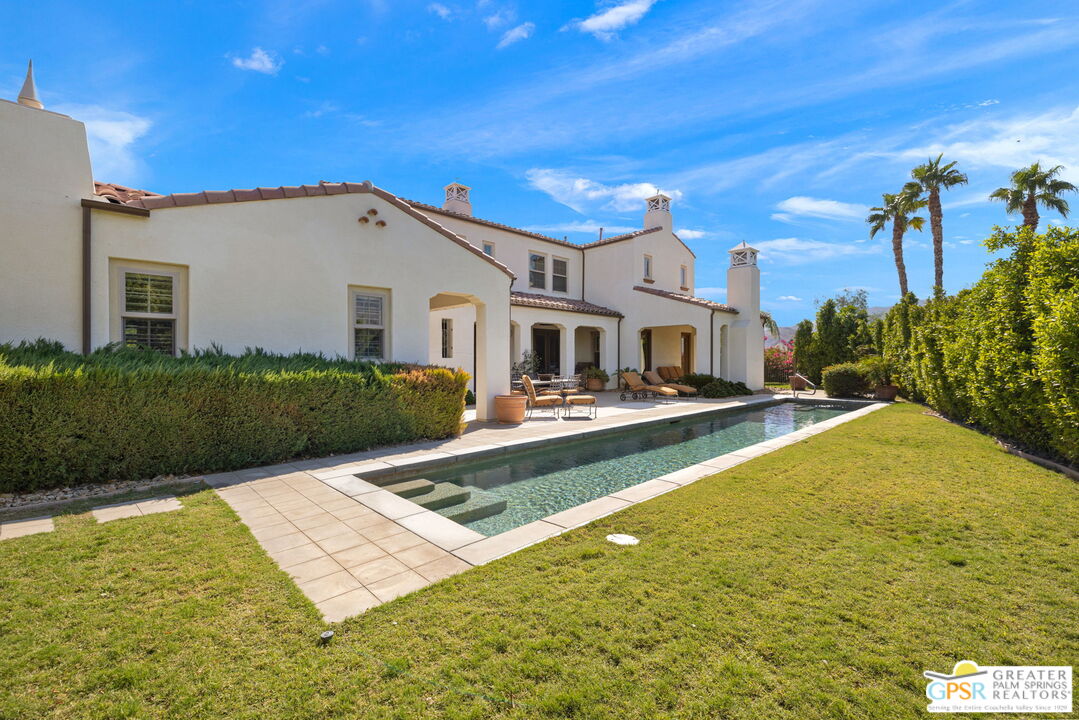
(620, 238)
(120, 193)
(489, 223)
(552, 303)
(211, 197)
(628, 236)
(711, 305)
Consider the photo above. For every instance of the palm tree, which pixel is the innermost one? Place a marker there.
(931, 177)
(898, 208)
(1031, 187)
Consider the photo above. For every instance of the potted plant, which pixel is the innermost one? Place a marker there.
(595, 378)
(878, 373)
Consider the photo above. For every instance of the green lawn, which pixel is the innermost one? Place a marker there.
(816, 582)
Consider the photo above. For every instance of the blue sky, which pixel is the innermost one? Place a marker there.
(777, 122)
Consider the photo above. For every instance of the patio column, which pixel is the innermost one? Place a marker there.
(569, 349)
(492, 358)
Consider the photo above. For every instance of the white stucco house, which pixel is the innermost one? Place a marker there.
(345, 269)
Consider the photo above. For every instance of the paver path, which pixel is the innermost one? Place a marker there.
(135, 508)
(32, 526)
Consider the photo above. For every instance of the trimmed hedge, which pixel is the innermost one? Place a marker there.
(844, 380)
(1004, 354)
(720, 388)
(118, 414)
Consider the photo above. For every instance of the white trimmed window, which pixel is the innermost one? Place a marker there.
(370, 324)
(447, 338)
(559, 274)
(489, 249)
(685, 277)
(537, 271)
(147, 308)
(647, 267)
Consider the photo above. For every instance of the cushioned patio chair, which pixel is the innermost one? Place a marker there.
(553, 402)
(640, 391)
(652, 377)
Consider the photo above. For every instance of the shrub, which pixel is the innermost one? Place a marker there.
(720, 388)
(470, 397)
(1003, 354)
(126, 414)
(844, 380)
(696, 380)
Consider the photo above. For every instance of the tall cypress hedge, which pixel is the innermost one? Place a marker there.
(122, 414)
(1003, 354)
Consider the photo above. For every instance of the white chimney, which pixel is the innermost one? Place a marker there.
(746, 331)
(658, 213)
(457, 199)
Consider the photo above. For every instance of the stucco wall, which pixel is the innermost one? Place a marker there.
(44, 172)
(512, 249)
(277, 274)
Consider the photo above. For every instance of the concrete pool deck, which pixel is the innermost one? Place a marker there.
(351, 545)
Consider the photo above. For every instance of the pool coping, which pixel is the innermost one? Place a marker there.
(477, 549)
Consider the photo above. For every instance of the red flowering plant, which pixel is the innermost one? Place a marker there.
(779, 361)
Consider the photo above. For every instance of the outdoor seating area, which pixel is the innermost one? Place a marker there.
(558, 396)
(638, 389)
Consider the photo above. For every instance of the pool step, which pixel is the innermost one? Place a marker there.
(443, 495)
(410, 488)
(481, 505)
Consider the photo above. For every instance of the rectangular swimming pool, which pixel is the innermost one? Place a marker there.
(504, 492)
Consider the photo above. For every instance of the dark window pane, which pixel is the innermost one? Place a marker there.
(558, 282)
(369, 344)
(144, 292)
(157, 335)
(537, 280)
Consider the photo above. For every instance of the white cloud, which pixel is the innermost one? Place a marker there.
(581, 193)
(582, 226)
(687, 234)
(789, 298)
(796, 251)
(499, 18)
(516, 34)
(259, 61)
(441, 10)
(801, 206)
(605, 25)
(324, 108)
(111, 135)
(1051, 137)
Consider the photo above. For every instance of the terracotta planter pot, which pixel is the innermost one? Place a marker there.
(510, 409)
(797, 383)
(886, 392)
(593, 384)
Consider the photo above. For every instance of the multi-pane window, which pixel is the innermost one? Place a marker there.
(685, 277)
(447, 338)
(537, 271)
(148, 311)
(559, 275)
(647, 267)
(368, 325)
(489, 249)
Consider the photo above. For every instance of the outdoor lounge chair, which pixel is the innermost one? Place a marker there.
(639, 391)
(540, 401)
(652, 377)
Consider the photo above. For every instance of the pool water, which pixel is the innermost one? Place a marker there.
(538, 483)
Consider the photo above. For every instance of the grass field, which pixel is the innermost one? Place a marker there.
(816, 582)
